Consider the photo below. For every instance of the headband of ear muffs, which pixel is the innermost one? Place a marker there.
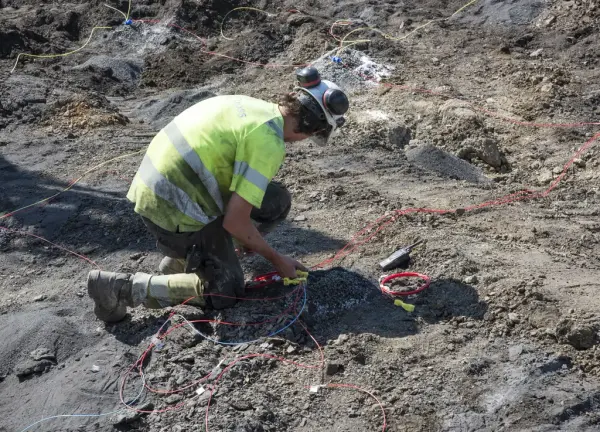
(316, 114)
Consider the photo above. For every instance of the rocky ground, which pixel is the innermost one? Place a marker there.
(447, 116)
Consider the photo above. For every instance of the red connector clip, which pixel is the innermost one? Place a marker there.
(263, 280)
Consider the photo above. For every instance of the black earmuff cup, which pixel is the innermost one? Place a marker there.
(336, 101)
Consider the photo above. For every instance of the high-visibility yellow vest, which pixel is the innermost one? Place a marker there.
(219, 146)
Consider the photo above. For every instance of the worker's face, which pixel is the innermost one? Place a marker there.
(292, 136)
(290, 127)
(320, 137)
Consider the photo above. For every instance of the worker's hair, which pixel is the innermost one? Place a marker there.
(308, 122)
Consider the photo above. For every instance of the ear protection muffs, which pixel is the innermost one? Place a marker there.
(331, 99)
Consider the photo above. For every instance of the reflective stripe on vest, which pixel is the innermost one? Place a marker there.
(257, 179)
(166, 190)
(193, 160)
(276, 128)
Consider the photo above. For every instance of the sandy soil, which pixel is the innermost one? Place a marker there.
(461, 112)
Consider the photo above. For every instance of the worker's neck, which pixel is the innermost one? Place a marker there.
(290, 125)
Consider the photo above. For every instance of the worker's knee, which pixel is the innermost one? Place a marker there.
(276, 204)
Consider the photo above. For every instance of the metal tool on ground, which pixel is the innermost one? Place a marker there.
(401, 256)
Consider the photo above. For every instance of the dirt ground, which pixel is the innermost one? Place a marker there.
(466, 110)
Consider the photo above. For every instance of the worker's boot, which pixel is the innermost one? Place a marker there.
(113, 292)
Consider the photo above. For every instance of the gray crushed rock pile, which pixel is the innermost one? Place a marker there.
(160, 111)
(121, 69)
(444, 164)
(337, 290)
(329, 294)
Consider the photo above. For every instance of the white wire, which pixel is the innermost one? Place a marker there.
(87, 415)
(143, 377)
(70, 415)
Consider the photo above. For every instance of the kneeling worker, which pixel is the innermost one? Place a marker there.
(204, 179)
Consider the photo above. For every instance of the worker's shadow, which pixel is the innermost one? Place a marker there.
(338, 301)
(344, 302)
(292, 238)
(341, 301)
(85, 219)
(99, 220)
(447, 298)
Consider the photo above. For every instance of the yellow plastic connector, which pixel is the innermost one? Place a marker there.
(407, 307)
(301, 277)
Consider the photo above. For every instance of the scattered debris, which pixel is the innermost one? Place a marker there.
(129, 416)
(333, 368)
(445, 164)
(43, 354)
(580, 336)
(536, 53)
(30, 367)
(471, 280)
(545, 176)
(437, 92)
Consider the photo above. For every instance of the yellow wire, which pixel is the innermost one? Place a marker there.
(388, 36)
(115, 9)
(241, 8)
(125, 15)
(464, 7)
(94, 168)
(58, 55)
(385, 35)
(342, 41)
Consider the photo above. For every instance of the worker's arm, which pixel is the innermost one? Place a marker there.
(238, 223)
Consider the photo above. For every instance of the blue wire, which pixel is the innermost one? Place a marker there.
(270, 334)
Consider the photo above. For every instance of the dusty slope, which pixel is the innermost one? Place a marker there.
(505, 338)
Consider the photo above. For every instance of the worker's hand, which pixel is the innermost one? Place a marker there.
(238, 223)
(287, 266)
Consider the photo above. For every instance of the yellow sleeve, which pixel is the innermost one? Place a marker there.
(257, 160)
